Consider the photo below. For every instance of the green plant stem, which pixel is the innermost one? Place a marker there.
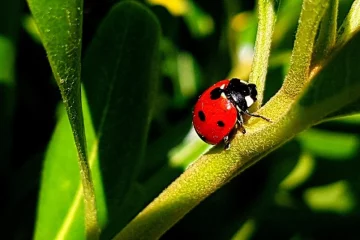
(298, 75)
(216, 168)
(205, 176)
(327, 35)
(267, 19)
(350, 24)
(91, 222)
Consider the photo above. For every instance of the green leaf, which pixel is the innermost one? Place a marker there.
(330, 145)
(327, 35)
(350, 25)
(120, 80)
(290, 114)
(60, 26)
(349, 109)
(323, 97)
(60, 204)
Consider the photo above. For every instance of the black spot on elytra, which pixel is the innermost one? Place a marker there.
(215, 93)
(201, 115)
(220, 123)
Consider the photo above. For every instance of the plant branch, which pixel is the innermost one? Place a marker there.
(267, 19)
(298, 75)
(211, 172)
(217, 167)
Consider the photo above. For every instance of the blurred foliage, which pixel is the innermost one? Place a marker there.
(307, 189)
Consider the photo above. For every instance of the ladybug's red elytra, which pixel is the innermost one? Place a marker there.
(219, 111)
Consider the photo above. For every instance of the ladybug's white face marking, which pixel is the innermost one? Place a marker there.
(222, 86)
(244, 82)
(249, 101)
(223, 95)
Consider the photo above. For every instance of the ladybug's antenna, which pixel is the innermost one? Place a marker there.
(256, 115)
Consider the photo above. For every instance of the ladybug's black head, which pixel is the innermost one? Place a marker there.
(252, 97)
(241, 93)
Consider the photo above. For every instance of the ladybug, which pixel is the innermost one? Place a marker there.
(219, 111)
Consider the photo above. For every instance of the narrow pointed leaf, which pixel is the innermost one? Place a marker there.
(326, 40)
(337, 86)
(119, 75)
(60, 27)
(351, 23)
(60, 212)
(120, 81)
(349, 109)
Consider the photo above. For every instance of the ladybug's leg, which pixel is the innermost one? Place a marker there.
(240, 122)
(243, 130)
(229, 137)
(227, 142)
(256, 115)
(240, 119)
